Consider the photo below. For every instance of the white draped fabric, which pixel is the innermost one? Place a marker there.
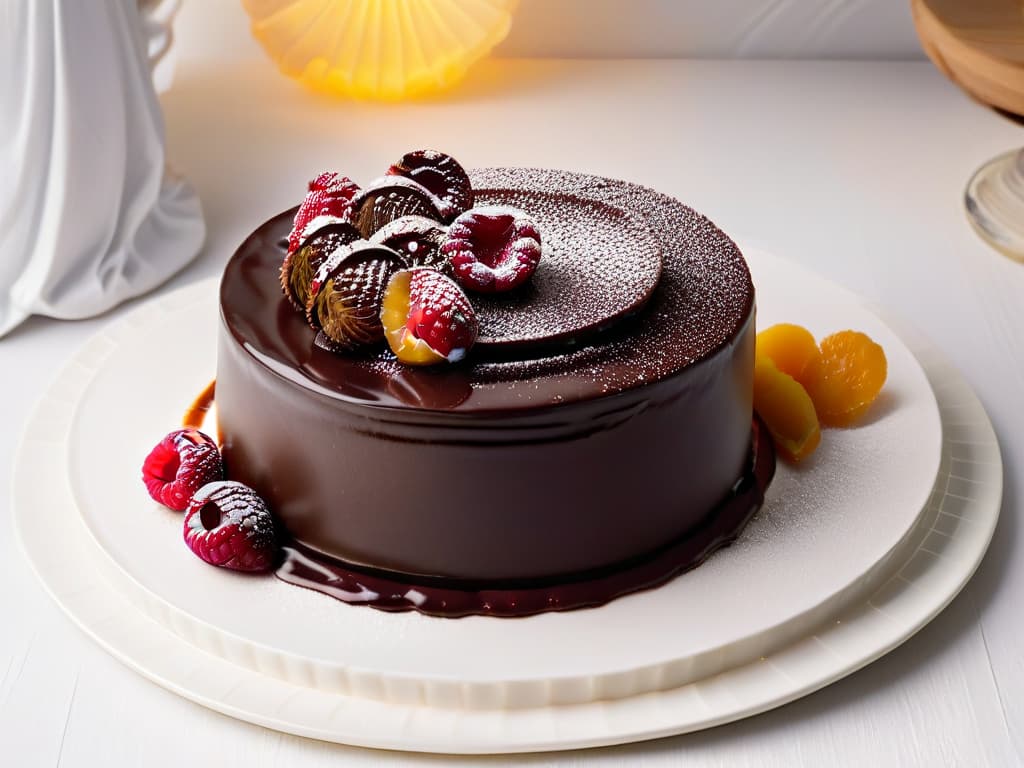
(89, 215)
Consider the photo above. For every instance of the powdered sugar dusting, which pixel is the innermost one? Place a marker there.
(703, 297)
(598, 263)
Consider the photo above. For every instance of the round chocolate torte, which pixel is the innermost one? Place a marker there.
(602, 421)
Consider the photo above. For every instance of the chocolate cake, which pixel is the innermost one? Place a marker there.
(596, 440)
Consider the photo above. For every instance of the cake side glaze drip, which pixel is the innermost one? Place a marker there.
(450, 600)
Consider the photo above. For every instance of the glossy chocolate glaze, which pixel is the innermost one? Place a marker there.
(521, 468)
(448, 598)
(438, 597)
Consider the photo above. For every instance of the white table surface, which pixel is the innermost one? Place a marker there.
(855, 170)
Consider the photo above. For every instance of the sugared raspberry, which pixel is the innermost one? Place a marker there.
(328, 201)
(492, 248)
(427, 318)
(228, 525)
(441, 174)
(180, 464)
(346, 294)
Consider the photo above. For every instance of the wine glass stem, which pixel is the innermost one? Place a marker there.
(994, 200)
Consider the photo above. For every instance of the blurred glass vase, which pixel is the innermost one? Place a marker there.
(89, 216)
(995, 203)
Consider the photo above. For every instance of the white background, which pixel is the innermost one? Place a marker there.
(832, 29)
(852, 169)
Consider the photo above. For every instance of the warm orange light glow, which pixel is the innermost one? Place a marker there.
(378, 49)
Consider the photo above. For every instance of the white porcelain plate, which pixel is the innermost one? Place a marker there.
(850, 556)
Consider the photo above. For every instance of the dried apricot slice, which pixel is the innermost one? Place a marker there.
(791, 347)
(786, 409)
(845, 380)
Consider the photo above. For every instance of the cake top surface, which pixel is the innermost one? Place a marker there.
(601, 263)
(665, 290)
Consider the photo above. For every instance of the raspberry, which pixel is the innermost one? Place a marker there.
(227, 524)
(427, 319)
(328, 201)
(346, 294)
(180, 464)
(492, 248)
(441, 174)
(392, 197)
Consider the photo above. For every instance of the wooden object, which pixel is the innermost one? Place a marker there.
(978, 44)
